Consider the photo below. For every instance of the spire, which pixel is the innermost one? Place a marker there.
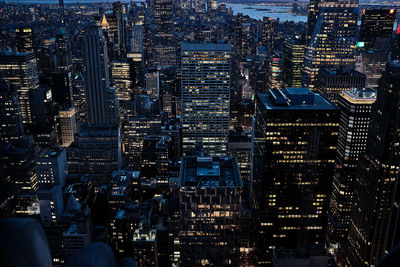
(104, 23)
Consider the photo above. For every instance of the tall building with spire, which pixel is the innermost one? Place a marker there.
(333, 41)
(101, 101)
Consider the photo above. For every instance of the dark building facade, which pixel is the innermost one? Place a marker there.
(295, 140)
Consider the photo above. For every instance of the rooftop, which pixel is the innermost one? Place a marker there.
(205, 47)
(50, 153)
(209, 172)
(360, 95)
(338, 72)
(295, 98)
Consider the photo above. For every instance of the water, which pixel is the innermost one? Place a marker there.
(281, 12)
(46, 2)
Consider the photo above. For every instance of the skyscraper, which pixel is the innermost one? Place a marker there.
(372, 64)
(331, 82)
(293, 61)
(268, 33)
(121, 40)
(24, 39)
(11, 117)
(209, 232)
(20, 70)
(356, 106)
(63, 57)
(332, 44)
(376, 24)
(295, 136)
(164, 53)
(376, 175)
(101, 102)
(313, 12)
(205, 84)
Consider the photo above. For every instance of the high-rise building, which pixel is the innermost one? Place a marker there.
(153, 85)
(268, 33)
(12, 128)
(68, 126)
(275, 72)
(295, 137)
(210, 227)
(376, 24)
(205, 96)
(121, 40)
(164, 52)
(331, 82)
(61, 88)
(293, 61)
(101, 101)
(333, 42)
(376, 175)
(123, 77)
(63, 51)
(20, 70)
(372, 64)
(356, 106)
(96, 150)
(51, 166)
(313, 12)
(24, 39)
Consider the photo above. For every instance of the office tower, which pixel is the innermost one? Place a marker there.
(268, 33)
(51, 166)
(24, 39)
(355, 105)
(376, 176)
(51, 204)
(123, 77)
(61, 5)
(153, 85)
(61, 88)
(295, 137)
(376, 24)
(239, 146)
(372, 64)
(20, 166)
(121, 40)
(96, 150)
(140, 121)
(19, 69)
(293, 58)
(101, 102)
(209, 231)
(275, 72)
(205, 96)
(63, 50)
(12, 128)
(164, 53)
(332, 45)
(313, 12)
(331, 82)
(137, 37)
(42, 108)
(68, 126)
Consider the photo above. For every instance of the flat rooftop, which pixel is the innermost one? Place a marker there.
(295, 98)
(360, 95)
(209, 172)
(49, 153)
(205, 47)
